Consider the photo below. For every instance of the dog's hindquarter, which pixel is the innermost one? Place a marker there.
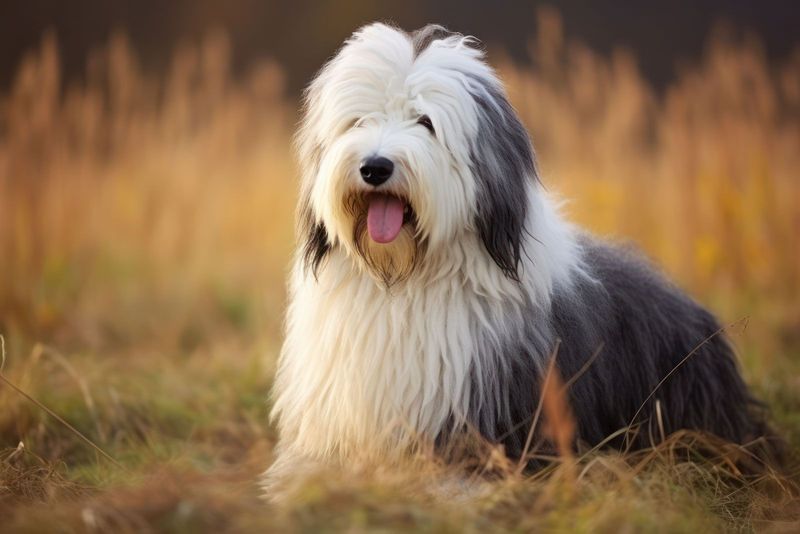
(649, 344)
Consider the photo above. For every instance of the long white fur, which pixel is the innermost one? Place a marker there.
(365, 369)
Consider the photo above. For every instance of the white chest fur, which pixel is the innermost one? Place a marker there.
(367, 368)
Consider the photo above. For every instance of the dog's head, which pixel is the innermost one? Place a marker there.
(409, 144)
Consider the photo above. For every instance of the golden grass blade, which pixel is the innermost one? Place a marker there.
(585, 367)
(537, 413)
(574, 378)
(679, 364)
(559, 422)
(58, 418)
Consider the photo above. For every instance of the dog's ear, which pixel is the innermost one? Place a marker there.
(314, 241)
(311, 233)
(503, 165)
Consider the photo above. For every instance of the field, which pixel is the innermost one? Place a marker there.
(145, 232)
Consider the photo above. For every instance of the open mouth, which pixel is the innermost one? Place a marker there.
(386, 215)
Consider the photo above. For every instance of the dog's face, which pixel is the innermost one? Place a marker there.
(409, 144)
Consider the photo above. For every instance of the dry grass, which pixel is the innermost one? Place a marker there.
(145, 228)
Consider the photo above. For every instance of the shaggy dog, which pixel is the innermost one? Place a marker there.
(435, 279)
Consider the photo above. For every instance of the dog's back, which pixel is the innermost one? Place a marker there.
(658, 346)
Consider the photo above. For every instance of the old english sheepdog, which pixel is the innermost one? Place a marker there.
(435, 279)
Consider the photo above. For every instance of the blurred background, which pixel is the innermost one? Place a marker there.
(147, 189)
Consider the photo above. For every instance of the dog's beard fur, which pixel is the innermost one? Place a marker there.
(389, 263)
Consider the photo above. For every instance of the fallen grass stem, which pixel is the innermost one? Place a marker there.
(58, 418)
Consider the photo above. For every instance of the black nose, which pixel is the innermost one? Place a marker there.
(376, 170)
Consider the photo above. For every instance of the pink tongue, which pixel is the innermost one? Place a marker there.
(384, 217)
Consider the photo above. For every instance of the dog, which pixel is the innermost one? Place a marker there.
(435, 279)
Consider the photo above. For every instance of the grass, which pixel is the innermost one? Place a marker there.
(145, 231)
